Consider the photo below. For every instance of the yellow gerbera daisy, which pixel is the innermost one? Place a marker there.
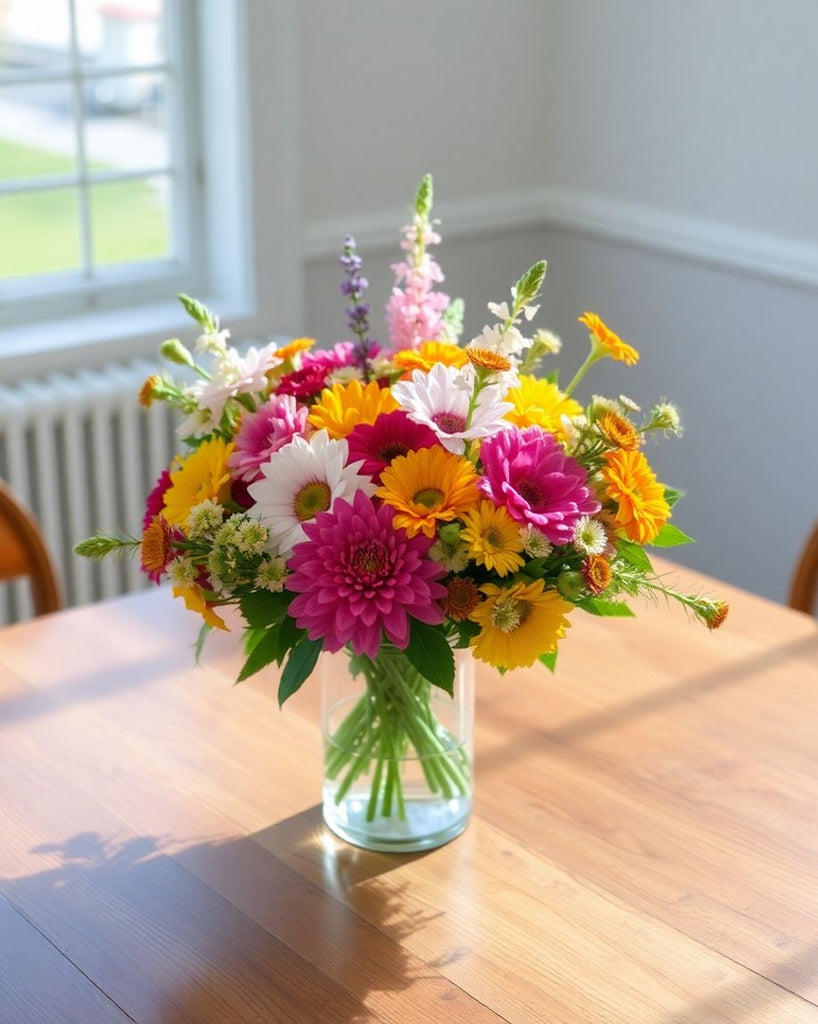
(195, 602)
(539, 403)
(344, 406)
(641, 507)
(202, 475)
(519, 623)
(606, 342)
(493, 538)
(427, 354)
(428, 486)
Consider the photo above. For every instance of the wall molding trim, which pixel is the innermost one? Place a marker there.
(711, 243)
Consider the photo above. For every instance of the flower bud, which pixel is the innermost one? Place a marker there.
(175, 352)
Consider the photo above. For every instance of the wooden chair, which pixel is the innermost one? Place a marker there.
(804, 586)
(23, 552)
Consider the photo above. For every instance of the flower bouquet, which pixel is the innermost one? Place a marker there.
(403, 503)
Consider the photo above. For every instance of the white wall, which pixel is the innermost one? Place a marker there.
(661, 155)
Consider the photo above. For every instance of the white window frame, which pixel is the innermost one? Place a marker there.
(244, 236)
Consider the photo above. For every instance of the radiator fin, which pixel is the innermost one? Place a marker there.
(83, 454)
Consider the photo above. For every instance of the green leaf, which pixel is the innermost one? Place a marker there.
(528, 287)
(670, 536)
(289, 636)
(634, 554)
(553, 377)
(501, 669)
(301, 662)
(200, 639)
(549, 659)
(197, 311)
(262, 608)
(466, 630)
(597, 606)
(430, 654)
(264, 651)
(672, 495)
(535, 569)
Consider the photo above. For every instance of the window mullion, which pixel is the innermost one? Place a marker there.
(83, 198)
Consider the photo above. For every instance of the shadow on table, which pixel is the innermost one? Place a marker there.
(225, 930)
(595, 722)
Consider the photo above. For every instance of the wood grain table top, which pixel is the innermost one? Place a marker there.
(644, 848)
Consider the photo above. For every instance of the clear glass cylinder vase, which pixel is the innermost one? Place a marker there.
(397, 751)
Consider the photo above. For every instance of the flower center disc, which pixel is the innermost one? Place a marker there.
(449, 422)
(313, 498)
(531, 492)
(428, 497)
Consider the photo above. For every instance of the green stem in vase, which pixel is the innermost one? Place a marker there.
(389, 725)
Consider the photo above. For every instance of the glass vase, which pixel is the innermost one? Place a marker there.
(397, 751)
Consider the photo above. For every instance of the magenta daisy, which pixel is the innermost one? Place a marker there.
(263, 432)
(528, 472)
(357, 578)
(155, 501)
(392, 434)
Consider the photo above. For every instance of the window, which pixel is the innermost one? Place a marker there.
(97, 157)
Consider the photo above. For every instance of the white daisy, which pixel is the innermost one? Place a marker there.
(300, 480)
(589, 536)
(440, 400)
(233, 375)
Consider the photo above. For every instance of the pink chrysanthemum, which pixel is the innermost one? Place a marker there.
(528, 473)
(357, 578)
(263, 432)
(392, 434)
(304, 383)
(155, 501)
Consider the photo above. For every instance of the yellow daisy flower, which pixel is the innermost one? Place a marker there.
(202, 475)
(493, 538)
(426, 487)
(519, 623)
(539, 403)
(427, 354)
(344, 406)
(641, 507)
(606, 342)
(195, 602)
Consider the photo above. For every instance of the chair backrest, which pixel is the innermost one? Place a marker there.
(804, 586)
(23, 552)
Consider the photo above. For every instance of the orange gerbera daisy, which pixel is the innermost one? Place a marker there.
(539, 403)
(426, 487)
(641, 507)
(200, 476)
(606, 343)
(487, 359)
(427, 354)
(293, 348)
(344, 406)
(619, 431)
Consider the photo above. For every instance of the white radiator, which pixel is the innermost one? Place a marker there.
(83, 455)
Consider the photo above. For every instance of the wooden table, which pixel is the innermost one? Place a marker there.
(644, 847)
